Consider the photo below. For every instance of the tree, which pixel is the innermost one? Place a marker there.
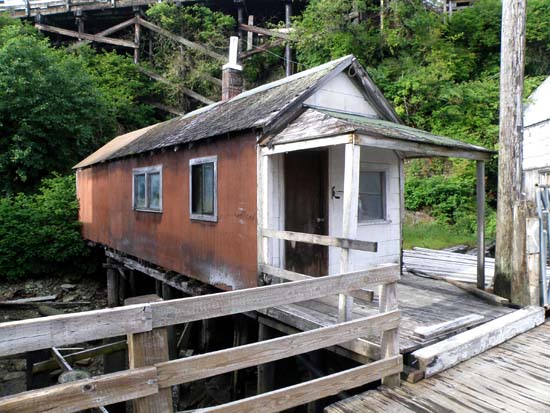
(51, 112)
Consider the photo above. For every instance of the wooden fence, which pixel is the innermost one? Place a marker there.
(146, 382)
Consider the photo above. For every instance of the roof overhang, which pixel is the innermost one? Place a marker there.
(317, 128)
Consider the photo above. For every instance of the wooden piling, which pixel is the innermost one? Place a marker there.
(116, 361)
(266, 371)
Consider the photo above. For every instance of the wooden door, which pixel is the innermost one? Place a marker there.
(306, 209)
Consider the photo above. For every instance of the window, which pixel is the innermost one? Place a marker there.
(203, 188)
(147, 189)
(372, 196)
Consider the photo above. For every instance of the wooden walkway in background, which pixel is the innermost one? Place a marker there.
(513, 377)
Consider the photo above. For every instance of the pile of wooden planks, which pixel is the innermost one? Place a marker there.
(445, 264)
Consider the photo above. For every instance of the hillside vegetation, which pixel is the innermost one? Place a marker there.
(57, 106)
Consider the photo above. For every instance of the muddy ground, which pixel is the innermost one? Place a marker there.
(71, 296)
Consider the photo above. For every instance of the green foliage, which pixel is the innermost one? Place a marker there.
(199, 24)
(51, 115)
(40, 233)
(447, 198)
(324, 32)
(122, 86)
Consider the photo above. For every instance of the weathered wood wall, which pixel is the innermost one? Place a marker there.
(221, 254)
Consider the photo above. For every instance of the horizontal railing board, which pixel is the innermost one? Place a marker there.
(85, 394)
(309, 391)
(325, 240)
(365, 295)
(47, 332)
(37, 333)
(223, 361)
(233, 302)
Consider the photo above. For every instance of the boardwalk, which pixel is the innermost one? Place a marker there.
(422, 301)
(512, 377)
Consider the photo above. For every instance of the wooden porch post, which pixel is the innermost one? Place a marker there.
(349, 222)
(146, 349)
(480, 199)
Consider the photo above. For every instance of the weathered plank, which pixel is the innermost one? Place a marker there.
(218, 362)
(26, 301)
(436, 330)
(303, 393)
(179, 39)
(233, 302)
(322, 240)
(261, 49)
(365, 295)
(438, 357)
(84, 394)
(86, 36)
(105, 32)
(265, 32)
(80, 355)
(47, 332)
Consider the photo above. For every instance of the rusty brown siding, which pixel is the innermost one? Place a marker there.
(222, 254)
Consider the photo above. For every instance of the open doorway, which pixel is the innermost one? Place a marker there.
(306, 205)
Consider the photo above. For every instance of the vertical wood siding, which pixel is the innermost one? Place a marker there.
(222, 254)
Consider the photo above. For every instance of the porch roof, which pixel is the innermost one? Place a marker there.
(317, 124)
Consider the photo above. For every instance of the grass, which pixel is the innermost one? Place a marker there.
(434, 235)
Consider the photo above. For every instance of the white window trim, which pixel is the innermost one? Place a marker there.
(147, 170)
(200, 161)
(376, 167)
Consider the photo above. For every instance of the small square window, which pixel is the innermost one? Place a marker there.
(203, 188)
(147, 188)
(372, 196)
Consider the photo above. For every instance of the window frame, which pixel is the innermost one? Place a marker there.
(383, 169)
(147, 171)
(200, 161)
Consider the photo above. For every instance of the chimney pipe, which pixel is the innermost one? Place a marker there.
(232, 77)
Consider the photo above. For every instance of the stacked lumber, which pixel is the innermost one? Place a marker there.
(448, 265)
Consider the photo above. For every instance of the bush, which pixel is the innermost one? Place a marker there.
(40, 233)
(448, 199)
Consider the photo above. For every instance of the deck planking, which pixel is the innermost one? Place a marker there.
(422, 301)
(512, 377)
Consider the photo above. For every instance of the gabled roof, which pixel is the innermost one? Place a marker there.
(266, 108)
(317, 122)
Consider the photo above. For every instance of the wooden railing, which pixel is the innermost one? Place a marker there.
(143, 382)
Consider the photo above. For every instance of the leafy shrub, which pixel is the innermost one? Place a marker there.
(40, 233)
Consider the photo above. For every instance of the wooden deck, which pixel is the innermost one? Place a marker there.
(512, 377)
(423, 302)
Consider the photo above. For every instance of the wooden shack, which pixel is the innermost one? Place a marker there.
(218, 192)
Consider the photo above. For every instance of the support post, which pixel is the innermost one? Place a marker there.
(250, 35)
(146, 349)
(168, 294)
(137, 36)
(288, 51)
(349, 222)
(389, 344)
(510, 149)
(480, 199)
(79, 22)
(114, 362)
(266, 371)
(240, 20)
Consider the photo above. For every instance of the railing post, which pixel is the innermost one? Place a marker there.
(144, 350)
(389, 344)
(349, 222)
